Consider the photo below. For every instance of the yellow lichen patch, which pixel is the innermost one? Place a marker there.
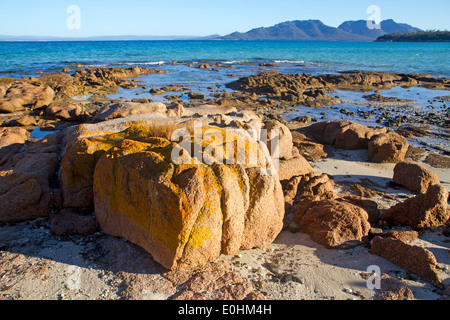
(218, 145)
(78, 164)
(142, 189)
(91, 134)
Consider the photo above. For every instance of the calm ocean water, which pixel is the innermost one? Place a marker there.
(19, 59)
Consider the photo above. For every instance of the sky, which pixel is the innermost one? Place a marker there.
(200, 17)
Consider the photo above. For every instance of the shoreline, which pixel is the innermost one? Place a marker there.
(38, 263)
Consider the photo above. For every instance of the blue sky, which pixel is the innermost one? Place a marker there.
(203, 17)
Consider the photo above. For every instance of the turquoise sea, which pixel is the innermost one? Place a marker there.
(19, 59)
(243, 58)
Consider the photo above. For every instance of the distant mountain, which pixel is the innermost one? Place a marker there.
(105, 38)
(297, 30)
(316, 30)
(359, 27)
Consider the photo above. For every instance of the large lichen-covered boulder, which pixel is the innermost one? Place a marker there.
(83, 145)
(218, 195)
(185, 215)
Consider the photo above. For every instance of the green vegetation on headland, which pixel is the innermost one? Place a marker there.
(421, 36)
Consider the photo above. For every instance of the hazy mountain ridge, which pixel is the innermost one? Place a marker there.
(318, 31)
(359, 27)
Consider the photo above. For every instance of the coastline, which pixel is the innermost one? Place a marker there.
(294, 266)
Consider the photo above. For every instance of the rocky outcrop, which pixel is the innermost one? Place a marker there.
(335, 223)
(184, 215)
(298, 88)
(311, 150)
(102, 80)
(26, 181)
(183, 211)
(405, 236)
(388, 147)
(296, 166)
(216, 281)
(11, 141)
(414, 177)
(301, 191)
(422, 211)
(371, 207)
(414, 259)
(367, 80)
(312, 90)
(20, 95)
(277, 131)
(390, 288)
(69, 222)
(126, 109)
(64, 111)
(342, 134)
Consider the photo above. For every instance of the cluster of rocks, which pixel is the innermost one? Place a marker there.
(313, 205)
(384, 146)
(119, 164)
(35, 93)
(184, 214)
(312, 90)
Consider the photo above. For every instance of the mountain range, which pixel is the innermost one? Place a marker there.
(316, 30)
